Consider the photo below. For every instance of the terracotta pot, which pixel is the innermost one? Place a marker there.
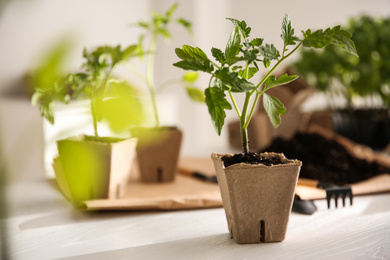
(257, 199)
(88, 168)
(158, 153)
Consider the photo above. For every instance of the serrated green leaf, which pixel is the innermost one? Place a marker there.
(248, 73)
(282, 80)
(274, 109)
(195, 65)
(336, 36)
(233, 80)
(269, 52)
(190, 53)
(193, 59)
(242, 26)
(257, 42)
(287, 31)
(218, 55)
(195, 94)
(233, 45)
(216, 104)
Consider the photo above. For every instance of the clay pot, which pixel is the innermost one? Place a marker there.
(158, 153)
(257, 199)
(88, 168)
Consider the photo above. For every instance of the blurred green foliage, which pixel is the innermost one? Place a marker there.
(112, 99)
(335, 72)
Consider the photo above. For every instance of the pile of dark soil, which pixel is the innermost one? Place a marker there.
(325, 160)
(250, 158)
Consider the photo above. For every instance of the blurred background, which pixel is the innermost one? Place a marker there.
(29, 28)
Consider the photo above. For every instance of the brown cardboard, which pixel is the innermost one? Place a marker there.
(158, 154)
(185, 192)
(256, 194)
(88, 170)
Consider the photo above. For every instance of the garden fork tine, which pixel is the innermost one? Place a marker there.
(332, 191)
(338, 191)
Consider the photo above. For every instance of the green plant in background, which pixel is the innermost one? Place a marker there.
(338, 74)
(241, 60)
(111, 99)
(153, 30)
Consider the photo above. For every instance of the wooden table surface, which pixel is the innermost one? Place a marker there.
(41, 224)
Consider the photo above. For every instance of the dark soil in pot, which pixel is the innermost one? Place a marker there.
(326, 160)
(250, 158)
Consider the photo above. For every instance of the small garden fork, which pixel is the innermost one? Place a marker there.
(332, 191)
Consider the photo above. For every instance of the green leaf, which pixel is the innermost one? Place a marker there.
(195, 65)
(128, 52)
(250, 72)
(336, 36)
(193, 59)
(233, 80)
(242, 26)
(269, 52)
(274, 109)
(171, 10)
(282, 80)
(266, 63)
(216, 104)
(233, 45)
(287, 31)
(190, 76)
(186, 24)
(195, 94)
(190, 53)
(218, 55)
(257, 42)
(120, 107)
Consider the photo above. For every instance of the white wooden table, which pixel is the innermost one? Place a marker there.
(42, 225)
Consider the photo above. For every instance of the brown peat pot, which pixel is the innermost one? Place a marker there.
(158, 153)
(257, 198)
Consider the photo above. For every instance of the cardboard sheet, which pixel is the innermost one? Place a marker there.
(184, 192)
(190, 193)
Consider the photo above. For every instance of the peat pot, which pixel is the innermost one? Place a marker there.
(158, 153)
(257, 199)
(90, 168)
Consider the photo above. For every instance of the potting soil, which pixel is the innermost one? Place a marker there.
(325, 160)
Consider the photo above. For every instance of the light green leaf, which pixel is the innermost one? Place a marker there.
(269, 52)
(195, 94)
(190, 76)
(245, 30)
(274, 109)
(216, 104)
(287, 31)
(233, 45)
(337, 36)
(282, 80)
(186, 24)
(190, 53)
(120, 107)
(250, 72)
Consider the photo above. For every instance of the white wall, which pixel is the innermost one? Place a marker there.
(29, 27)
